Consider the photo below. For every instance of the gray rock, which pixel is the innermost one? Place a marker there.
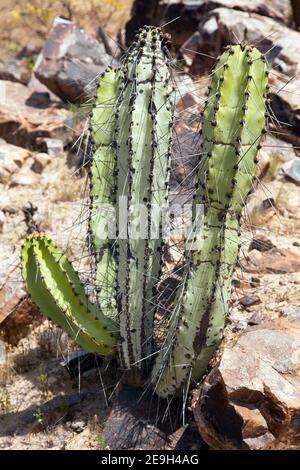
(27, 118)
(224, 26)
(292, 170)
(78, 426)
(14, 71)
(70, 62)
(184, 16)
(293, 314)
(54, 147)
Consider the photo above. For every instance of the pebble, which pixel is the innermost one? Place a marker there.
(292, 170)
(78, 426)
(293, 314)
(249, 300)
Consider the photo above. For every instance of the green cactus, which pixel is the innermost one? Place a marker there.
(102, 190)
(131, 130)
(56, 289)
(233, 123)
(143, 141)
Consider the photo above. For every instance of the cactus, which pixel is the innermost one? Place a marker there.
(102, 188)
(233, 123)
(143, 140)
(56, 289)
(131, 130)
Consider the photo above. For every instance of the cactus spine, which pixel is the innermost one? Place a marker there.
(233, 123)
(143, 140)
(56, 289)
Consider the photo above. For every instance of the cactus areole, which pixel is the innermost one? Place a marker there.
(131, 130)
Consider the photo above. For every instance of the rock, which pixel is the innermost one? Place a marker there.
(251, 400)
(249, 300)
(296, 12)
(132, 422)
(263, 164)
(182, 17)
(14, 71)
(24, 178)
(224, 26)
(40, 161)
(70, 62)
(78, 426)
(3, 364)
(28, 51)
(11, 159)
(268, 203)
(278, 261)
(285, 102)
(255, 319)
(55, 147)
(291, 169)
(26, 125)
(279, 149)
(186, 94)
(142, 13)
(293, 314)
(241, 325)
(261, 243)
(185, 438)
(17, 313)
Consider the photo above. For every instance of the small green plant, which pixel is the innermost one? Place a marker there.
(38, 415)
(131, 128)
(43, 382)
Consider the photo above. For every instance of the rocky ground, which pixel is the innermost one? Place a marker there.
(251, 396)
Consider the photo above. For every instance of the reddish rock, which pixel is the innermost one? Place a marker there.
(263, 164)
(249, 300)
(251, 400)
(17, 313)
(261, 243)
(11, 159)
(276, 260)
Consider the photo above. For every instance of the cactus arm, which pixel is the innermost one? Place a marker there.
(102, 189)
(143, 143)
(49, 275)
(232, 129)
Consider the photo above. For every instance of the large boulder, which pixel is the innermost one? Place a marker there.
(251, 400)
(224, 26)
(70, 62)
(182, 17)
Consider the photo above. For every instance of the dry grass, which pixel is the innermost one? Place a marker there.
(23, 22)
